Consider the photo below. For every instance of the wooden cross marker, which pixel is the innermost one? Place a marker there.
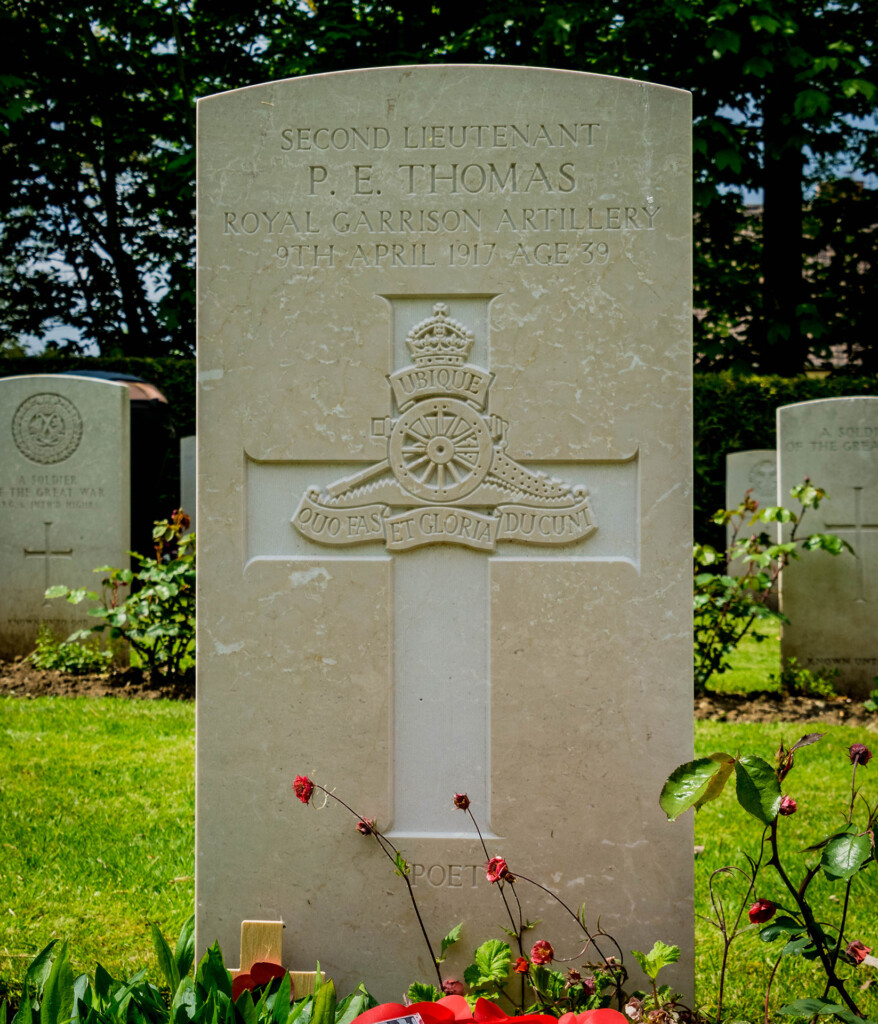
(263, 941)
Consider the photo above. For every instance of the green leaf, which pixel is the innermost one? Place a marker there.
(492, 960)
(452, 937)
(844, 855)
(402, 867)
(280, 1008)
(658, 957)
(796, 947)
(56, 1004)
(59, 590)
(185, 1003)
(167, 964)
(324, 1004)
(758, 790)
(40, 967)
(418, 992)
(212, 972)
(780, 926)
(808, 1007)
(688, 784)
(246, 1009)
(184, 951)
(25, 1014)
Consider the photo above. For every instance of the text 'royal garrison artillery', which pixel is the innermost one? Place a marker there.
(447, 478)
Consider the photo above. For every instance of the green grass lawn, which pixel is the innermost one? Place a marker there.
(96, 828)
(96, 804)
(754, 662)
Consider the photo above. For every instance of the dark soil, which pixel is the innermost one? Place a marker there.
(19, 678)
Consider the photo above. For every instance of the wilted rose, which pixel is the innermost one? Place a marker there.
(496, 869)
(452, 987)
(761, 911)
(858, 952)
(788, 806)
(366, 826)
(542, 952)
(461, 801)
(303, 787)
(520, 966)
(860, 754)
(589, 985)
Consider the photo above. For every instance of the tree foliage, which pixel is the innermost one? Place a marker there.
(98, 121)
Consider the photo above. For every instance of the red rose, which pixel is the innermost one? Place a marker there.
(520, 966)
(788, 806)
(461, 801)
(303, 787)
(452, 987)
(858, 952)
(762, 911)
(860, 754)
(366, 826)
(542, 952)
(496, 869)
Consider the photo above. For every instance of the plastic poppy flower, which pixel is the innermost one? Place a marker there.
(261, 973)
(603, 1015)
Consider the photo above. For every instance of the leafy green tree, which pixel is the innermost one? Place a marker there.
(97, 113)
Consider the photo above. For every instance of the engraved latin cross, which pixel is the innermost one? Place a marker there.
(857, 530)
(47, 553)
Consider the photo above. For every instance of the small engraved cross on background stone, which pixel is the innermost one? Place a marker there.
(858, 531)
(47, 553)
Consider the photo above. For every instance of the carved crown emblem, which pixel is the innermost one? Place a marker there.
(438, 339)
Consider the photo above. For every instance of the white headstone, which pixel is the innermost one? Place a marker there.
(832, 602)
(752, 472)
(64, 498)
(187, 479)
(445, 525)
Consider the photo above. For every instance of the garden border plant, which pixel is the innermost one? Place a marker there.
(157, 617)
(726, 607)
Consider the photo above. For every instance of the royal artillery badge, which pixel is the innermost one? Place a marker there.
(446, 478)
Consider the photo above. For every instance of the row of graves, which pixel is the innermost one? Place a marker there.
(444, 505)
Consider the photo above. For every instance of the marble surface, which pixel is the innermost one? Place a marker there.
(64, 498)
(444, 507)
(831, 601)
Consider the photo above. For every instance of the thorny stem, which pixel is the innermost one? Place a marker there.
(383, 844)
(729, 938)
(768, 986)
(833, 980)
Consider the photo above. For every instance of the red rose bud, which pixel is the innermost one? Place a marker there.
(761, 911)
(542, 952)
(496, 869)
(366, 826)
(520, 966)
(461, 801)
(788, 806)
(303, 787)
(860, 754)
(452, 987)
(858, 952)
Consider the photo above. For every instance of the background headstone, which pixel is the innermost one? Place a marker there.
(754, 470)
(187, 478)
(445, 510)
(64, 498)
(832, 602)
